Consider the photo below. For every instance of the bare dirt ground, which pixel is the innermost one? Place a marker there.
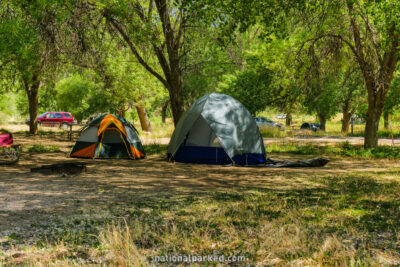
(29, 198)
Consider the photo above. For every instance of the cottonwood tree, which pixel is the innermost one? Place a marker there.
(319, 68)
(158, 25)
(28, 46)
(371, 30)
(109, 63)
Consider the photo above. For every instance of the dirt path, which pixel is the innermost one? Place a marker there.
(332, 139)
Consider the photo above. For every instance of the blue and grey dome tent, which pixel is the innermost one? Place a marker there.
(217, 129)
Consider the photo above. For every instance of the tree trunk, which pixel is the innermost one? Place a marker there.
(322, 121)
(144, 120)
(288, 121)
(386, 119)
(346, 122)
(33, 111)
(32, 90)
(377, 83)
(376, 104)
(346, 117)
(164, 111)
(176, 97)
(347, 110)
(372, 127)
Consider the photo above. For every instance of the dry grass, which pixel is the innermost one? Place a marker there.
(118, 242)
(343, 221)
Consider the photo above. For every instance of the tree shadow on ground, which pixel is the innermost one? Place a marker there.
(113, 189)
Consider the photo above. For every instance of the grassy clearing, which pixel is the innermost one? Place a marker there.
(349, 220)
(343, 149)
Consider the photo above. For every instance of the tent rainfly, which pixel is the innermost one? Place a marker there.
(217, 129)
(108, 136)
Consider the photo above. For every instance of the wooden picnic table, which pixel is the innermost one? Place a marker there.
(70, 132)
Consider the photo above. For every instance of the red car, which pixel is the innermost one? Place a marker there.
(55, 118)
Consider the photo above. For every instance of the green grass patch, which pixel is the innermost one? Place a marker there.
(343, 149)
(381, 134)
(155, 149)
(42, 149)
(44, 133)
(272, 132)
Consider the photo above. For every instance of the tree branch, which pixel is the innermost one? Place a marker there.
(373, 37)
(133, 49)
(358, 50)
(167, 29)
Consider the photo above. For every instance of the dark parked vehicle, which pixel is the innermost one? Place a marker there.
(310, 126)
(55, 118)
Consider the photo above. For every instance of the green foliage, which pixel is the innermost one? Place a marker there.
(362, 110)
(125, 83)
(79, 96)
(352, 95)
(278, 56)
(6, 109)
(323, 99)
(393, 97)
(205, 64)
(250, 87)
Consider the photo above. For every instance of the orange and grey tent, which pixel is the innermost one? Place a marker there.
(108, 136)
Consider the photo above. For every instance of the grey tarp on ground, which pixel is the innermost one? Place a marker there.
(314, 162)
(231, 122)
